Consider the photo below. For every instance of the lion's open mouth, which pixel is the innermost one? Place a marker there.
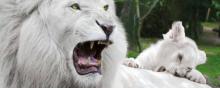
(87, 56)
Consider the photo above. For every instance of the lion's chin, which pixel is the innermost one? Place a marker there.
(87, 81)
(87, 57)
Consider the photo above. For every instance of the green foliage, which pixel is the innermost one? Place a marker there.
(216, 6)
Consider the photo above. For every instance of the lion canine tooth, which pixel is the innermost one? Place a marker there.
(91, 45)
(89, 58)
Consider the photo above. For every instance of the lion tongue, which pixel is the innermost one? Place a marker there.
(88, 61)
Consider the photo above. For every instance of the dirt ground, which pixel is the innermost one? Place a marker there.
(210, 36)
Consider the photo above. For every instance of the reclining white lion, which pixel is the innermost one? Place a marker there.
(175, 54)
(66, 44)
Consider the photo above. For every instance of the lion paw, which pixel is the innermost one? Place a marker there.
(196, 76)
(131, 63)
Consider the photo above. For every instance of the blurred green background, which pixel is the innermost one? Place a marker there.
(146, 20)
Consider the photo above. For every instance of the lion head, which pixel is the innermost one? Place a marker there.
(178, 53)
(59, 43)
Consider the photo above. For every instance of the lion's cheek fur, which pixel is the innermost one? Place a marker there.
(113, 56)
(39, 60)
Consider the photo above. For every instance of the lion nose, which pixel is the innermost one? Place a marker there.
(108, 29)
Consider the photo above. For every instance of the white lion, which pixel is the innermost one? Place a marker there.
(65, 44)
(59, 43)
(175, 54)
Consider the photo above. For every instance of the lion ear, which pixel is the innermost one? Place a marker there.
(201, 57)
(168, 35)
(176, 33)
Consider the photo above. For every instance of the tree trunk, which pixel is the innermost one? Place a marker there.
(139, 25)
(208, 13)
(127, 16)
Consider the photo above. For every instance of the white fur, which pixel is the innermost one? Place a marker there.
(37, 38)
(141, 78)
(166, 52)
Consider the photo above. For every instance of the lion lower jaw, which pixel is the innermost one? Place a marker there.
(88, 81)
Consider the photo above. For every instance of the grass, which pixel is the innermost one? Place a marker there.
(211, 68)
(145, 43)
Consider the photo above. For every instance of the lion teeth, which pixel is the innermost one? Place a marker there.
(91, 45)
(89, 58)
(104, 43)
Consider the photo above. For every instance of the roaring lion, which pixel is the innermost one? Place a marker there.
(59, 43)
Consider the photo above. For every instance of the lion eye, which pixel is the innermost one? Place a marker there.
(106, 7)
(76, 6)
